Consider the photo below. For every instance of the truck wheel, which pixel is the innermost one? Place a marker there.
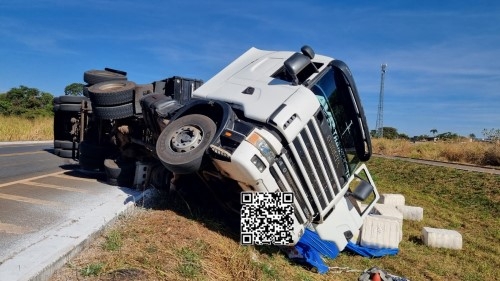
(113, 112)
(112, 93)
(69, 107)
(71, 99)
(119, 172)
(182, 144)
(97, 76)
(64, 153)
(64, 144)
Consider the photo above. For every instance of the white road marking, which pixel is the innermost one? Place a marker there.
(13, 229)
(63, 176)
(30, 179)
(66, 188)
(29, 200)
(22, 153)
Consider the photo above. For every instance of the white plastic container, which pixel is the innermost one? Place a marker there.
(392, 199)
(442, 238)
(411, 213)
(390, 212)
(380, 232)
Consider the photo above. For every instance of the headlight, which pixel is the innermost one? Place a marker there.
(262, 145)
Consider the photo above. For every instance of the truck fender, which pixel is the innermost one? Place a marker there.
(220, 112)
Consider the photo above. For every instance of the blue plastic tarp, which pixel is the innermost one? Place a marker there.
(370, 252)
(311, 248)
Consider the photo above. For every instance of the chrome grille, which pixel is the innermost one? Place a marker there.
(312, 168)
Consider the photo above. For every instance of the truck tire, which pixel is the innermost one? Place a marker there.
(69, 107)
(112, 93)
(119, 173)
(64, 153)
(97, 76)
(182, 144)
(71, 99)
(113, 112)
(86, 90)
(64, 144)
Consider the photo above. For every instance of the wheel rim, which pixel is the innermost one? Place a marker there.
(186, 139)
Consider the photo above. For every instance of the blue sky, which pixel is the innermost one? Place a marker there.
(443, 56)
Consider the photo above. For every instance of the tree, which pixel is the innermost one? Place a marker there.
(74, 89)
(492, 134)
(448, 136)
(472, 136)
(26, 102)
(390, 133)
(434, 132)
(403, 136)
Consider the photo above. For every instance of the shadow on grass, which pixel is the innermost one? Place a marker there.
(193, 200)
(416, 240)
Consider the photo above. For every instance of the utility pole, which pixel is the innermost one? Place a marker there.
(380, 115)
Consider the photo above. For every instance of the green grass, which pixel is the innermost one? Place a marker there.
(92, 269)
(189, 265)
(177, 244)
(468, 202)
(190, 259)
(113, 241)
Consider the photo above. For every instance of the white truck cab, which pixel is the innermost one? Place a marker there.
(281, 122)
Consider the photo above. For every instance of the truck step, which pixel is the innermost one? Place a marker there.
(411, 213)
(442, 238)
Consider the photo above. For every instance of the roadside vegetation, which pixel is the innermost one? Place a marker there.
(477, 153)
(13, 128)
(187, 238)
(26, 113)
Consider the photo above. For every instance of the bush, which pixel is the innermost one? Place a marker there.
(492, 156)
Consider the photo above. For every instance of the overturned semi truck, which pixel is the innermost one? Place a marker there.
(271, 121)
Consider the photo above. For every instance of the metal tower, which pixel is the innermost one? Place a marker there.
(380, 115)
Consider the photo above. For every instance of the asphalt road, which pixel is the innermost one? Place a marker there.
(49, 209)
(19, 160)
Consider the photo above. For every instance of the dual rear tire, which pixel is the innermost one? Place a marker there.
(66, 115)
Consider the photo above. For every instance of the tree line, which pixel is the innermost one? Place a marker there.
(492, 135)
(29, 102)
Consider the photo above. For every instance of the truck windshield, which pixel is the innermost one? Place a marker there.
(342, 110)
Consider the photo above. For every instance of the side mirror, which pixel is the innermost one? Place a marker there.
(308, 51)
(295, 64)
(362, 191)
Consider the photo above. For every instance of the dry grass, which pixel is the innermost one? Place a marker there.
(22, 129)
(478, 153)
(198, 243)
